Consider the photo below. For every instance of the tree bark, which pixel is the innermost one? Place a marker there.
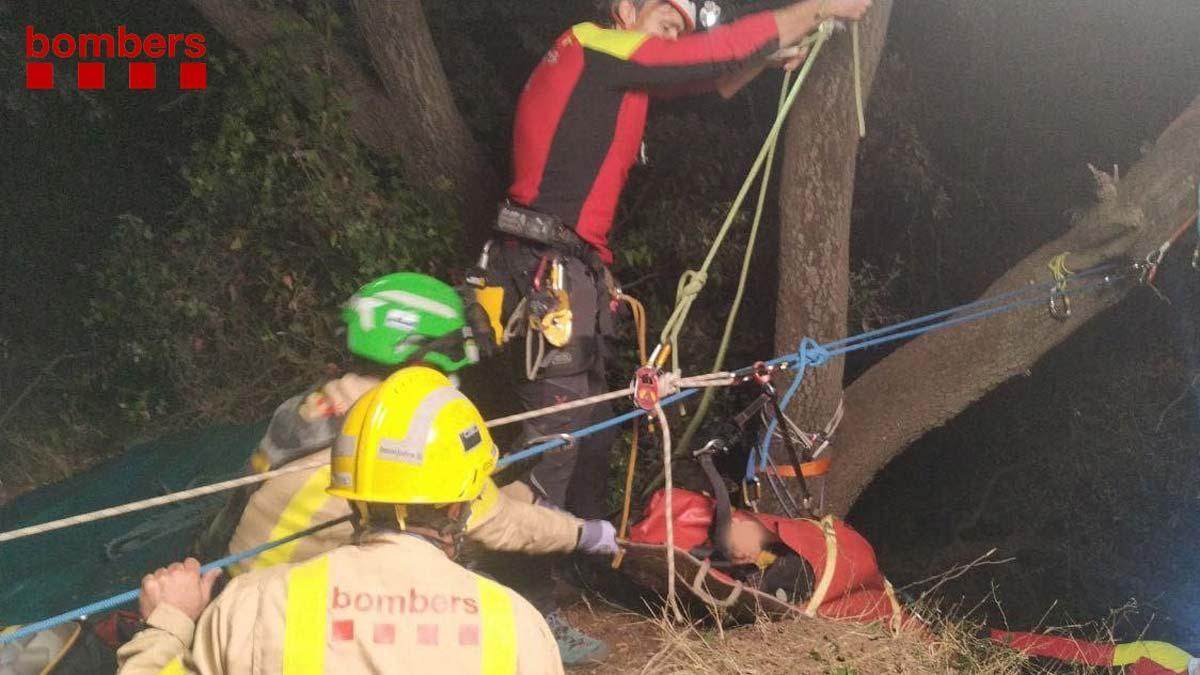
(930, 380)
(412, 117)
(434, 136)
(815, 195)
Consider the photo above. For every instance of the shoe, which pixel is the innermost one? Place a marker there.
(575, 647)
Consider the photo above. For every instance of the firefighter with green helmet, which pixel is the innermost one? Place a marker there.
(398, 320)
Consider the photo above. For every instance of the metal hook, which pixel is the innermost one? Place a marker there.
(569, 442)
(1060, 305)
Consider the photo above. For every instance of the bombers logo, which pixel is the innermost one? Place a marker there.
(142, 53)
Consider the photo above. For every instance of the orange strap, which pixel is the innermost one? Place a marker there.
(817, 467)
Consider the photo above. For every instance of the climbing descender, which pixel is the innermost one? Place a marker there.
(549, 304)
(556, 324)
(645, 387)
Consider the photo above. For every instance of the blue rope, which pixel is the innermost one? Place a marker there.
(812, 354)
(808, 354)
(588, 431)
(116, 601)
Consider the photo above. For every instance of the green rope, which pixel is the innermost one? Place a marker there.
(692, 281)
(705, 402)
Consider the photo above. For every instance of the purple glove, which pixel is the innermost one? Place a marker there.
(597, 537)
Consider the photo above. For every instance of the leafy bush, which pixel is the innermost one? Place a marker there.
(231, 303)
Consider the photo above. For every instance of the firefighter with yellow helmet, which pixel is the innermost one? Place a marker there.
(396, 320)
(413, 458)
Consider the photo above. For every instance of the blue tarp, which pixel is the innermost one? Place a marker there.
(50, 573)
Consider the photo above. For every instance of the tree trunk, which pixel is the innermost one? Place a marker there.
(815, 195)
(930, 380)
(436, 143)
(412, 117)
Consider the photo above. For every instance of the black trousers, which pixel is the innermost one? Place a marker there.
(573, 478)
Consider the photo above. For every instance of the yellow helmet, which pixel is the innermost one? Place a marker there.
(414, 439)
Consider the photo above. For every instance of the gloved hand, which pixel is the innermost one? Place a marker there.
(597, 537)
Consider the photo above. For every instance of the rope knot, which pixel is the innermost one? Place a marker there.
(812, 353)
(692, 283)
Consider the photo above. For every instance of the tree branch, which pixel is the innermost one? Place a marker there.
(931, 379)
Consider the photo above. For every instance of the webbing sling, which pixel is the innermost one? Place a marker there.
(499, 633)
(305, 618)
(831, 546)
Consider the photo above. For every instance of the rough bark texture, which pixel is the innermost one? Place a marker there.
(435, 141)
(930, 380)
(411, 117)
(815, 195)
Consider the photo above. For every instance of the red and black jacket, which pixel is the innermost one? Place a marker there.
(581, 117)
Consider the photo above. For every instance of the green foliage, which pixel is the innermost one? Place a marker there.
(232, 302)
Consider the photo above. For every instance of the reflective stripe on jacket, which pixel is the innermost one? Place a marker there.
(394, 604)
(502, 519)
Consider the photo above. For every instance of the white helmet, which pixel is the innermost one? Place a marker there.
(687, 9)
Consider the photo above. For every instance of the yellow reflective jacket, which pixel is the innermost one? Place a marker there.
(392, 604)
(502, 519)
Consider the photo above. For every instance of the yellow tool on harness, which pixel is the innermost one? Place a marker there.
(556, 323)
(484, 312)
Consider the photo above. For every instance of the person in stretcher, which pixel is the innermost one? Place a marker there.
(824, 567)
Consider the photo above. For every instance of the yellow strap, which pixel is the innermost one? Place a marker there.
(499, 634)
(822, 589)
(619, 43)
(296, 516)
(484, 505)
(175, 667)
(1166, 655)
(897, 621)
(304, 631)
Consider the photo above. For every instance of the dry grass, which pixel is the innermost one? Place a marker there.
(657, 646)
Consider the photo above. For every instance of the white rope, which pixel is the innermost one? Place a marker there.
(669, 384)
(672, 602)
(144, 504)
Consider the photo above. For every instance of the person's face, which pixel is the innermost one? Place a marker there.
(747, 538)
(658, 18)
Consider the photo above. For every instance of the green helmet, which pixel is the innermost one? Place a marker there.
(407, 317)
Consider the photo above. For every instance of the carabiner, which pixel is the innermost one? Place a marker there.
(1196, 258)
(1060, 305)
(569, 442)
(751, 493)
(541, 271)
(761, 373)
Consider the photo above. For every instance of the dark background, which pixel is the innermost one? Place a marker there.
(985, 114)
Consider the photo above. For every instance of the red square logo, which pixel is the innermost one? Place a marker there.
(89, 75)
(385, 633)
(193, 75)
(39, 75)
(468, 635)
(141, 75)
(427, 634)
(343, 630)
